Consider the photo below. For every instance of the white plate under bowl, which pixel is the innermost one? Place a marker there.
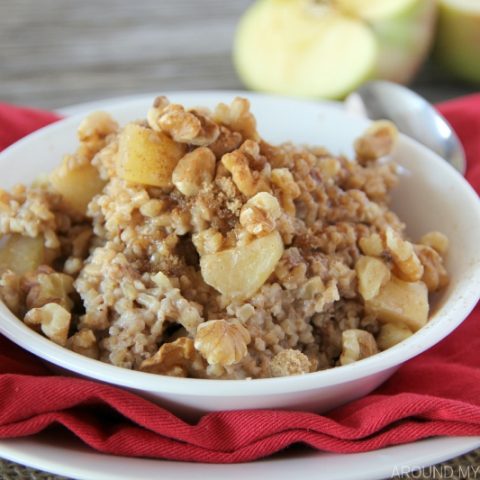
(62, 455)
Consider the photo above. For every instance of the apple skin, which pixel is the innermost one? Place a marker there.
(403, 41)
(457, 46)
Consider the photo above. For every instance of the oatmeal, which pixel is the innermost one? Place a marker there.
(185, 245)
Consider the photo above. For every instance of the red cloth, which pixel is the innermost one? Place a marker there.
(437, 393)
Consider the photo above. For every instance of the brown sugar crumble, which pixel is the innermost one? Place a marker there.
(186, 245)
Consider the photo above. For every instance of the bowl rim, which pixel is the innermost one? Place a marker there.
(15, 330)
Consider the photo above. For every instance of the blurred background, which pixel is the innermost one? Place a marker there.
(59, 52)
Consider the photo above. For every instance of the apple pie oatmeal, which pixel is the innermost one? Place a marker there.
(184, 244)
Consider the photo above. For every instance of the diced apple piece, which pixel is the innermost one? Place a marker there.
(372, 273)
(148, 157)
(391, 334)
(239, 272)
(77, 185)
(357, 345)
(401, 302)
(22, 254)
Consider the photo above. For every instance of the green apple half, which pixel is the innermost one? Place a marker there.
(315, 48)
(457, 45)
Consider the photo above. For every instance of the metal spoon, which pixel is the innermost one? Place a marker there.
(412, 115)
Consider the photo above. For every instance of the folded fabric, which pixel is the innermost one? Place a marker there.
(437, 393)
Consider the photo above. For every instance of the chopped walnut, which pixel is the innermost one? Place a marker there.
(84, 342)
(434, 276)
(93, 131)
(289, 190)
(259, 214)
(227, 142)
(312, 288)
(221, 342)
(11, 292)
(371, 245)
(53, 320)
(356, 345)
(194, 170)
(183, 126)
(289, 362)
(46, 286)
(378, 141)
(438, 241)
(96, 126)
(329, 168)
(175, 359)
(240, 164)
(208, 241)
(328, 297)
(238, 117)
(407, 266)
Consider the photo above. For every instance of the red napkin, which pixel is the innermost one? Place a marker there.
(437, 393)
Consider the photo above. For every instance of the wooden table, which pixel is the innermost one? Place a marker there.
(55, 53)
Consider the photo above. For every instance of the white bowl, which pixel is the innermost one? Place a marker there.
(431, 196)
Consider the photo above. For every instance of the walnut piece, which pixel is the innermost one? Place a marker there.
(259, 214)
(183, 126)
(289, 362)
(434, 276)
(194, 170)
(227, 142)
(208, 241)
(438, 241)
(46, 286)
(407, 266)
(371, 245)
(356, 345)
(237, 116)
(92, 133)
(221, 342)
(312, 288)
(84, 342)
(289, 190)
(53, 319)
(240, 164)
(377, 141)
(96, 126)
(174, 359)
(11, 292)
(329, 167)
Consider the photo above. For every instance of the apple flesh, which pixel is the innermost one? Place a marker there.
(457, 45)
(326, 49)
